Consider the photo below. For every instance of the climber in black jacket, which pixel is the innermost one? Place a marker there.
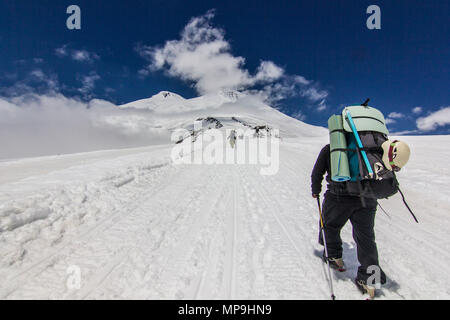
(338, 207)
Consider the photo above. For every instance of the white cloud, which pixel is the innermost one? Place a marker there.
(143, 73)
(84, 56)
(404, 132)
(38, 73)
(51, 80)
(203, 56)
(76, 55)
(36, 80)
(389, 121)
(301, 80)
(434, 120)
(33, 125)
(88, 82)
(62, 51)
(314, 94)
(268, 71)
(417, 110)
(276, 91)
(395, 115)
(322, 106)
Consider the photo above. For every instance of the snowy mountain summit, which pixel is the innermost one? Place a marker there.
(169, 111)
(169, 102)
(157, 102)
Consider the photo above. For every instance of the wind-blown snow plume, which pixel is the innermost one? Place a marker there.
(202, 56)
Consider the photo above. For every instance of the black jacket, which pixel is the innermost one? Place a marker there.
(323, 166)
(339, 191)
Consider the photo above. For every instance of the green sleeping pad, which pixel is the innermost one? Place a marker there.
(365, 119)
(340, 170)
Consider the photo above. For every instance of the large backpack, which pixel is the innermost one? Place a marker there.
(356, 137)
(384, 183)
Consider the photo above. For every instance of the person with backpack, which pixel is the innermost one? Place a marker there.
(338, 207)
(349, 196)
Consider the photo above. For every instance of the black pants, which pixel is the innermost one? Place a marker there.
(337, 210)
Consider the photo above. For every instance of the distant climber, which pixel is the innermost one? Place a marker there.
(232, 138)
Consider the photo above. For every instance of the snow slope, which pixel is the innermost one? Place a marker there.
(137, 226)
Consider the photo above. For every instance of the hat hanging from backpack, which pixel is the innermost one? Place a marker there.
(395, 154)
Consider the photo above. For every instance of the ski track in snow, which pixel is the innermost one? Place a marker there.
(148, 229)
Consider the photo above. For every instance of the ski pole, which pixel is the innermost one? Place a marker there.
(333, 297)
(404, 201)
(383, 210)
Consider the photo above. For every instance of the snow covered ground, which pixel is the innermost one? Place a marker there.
(131, 224)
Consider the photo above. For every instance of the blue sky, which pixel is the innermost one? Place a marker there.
(314, 56)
